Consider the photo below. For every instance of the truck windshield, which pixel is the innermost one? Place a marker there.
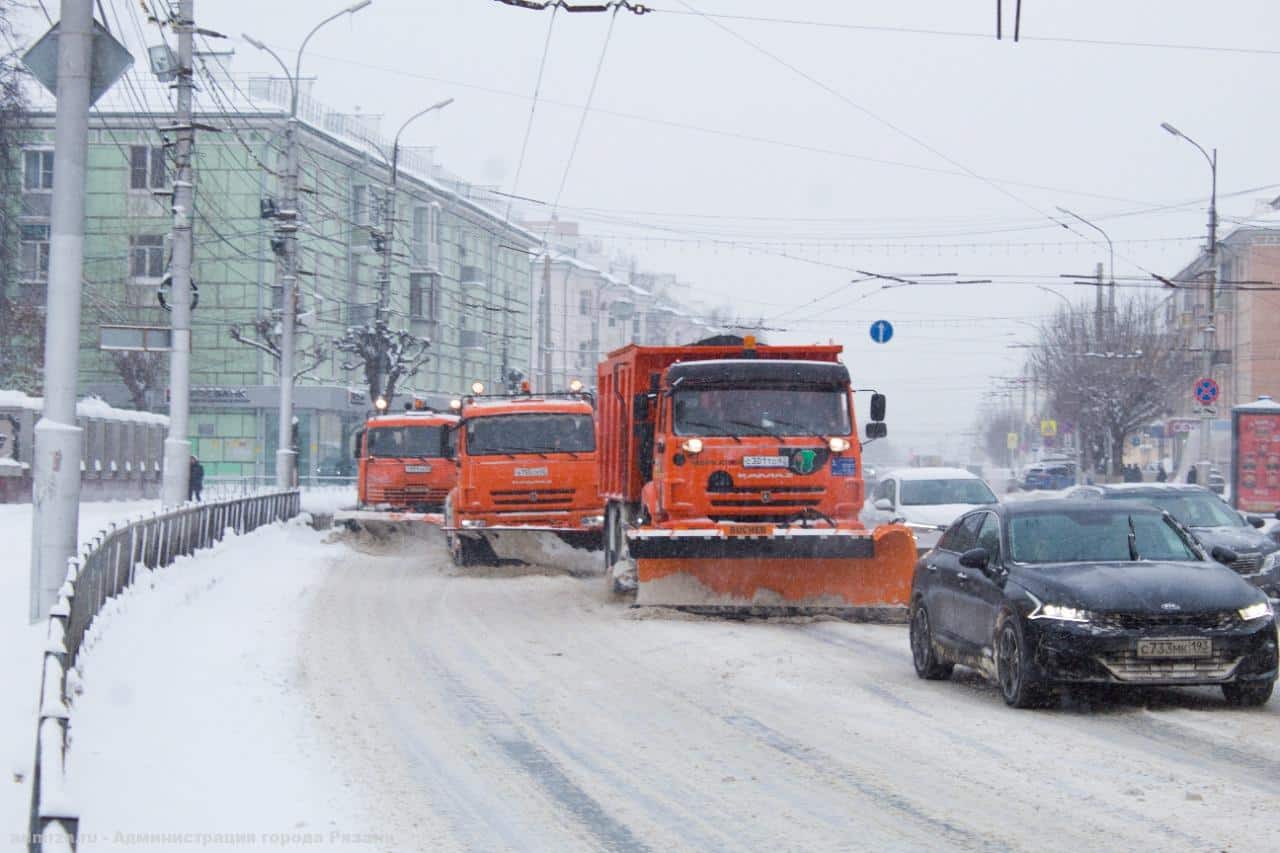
(406, 441)
(762, 411)
(532, 433)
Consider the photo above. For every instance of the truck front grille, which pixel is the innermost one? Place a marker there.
(532, 499)
(407, 495)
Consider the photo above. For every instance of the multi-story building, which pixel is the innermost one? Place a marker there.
(461, 271)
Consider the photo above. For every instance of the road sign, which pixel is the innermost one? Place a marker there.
(1206, 390)
(1048, 428)
(110, 59)
(1011, 441)
(881, 331)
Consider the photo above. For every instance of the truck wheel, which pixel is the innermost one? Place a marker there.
(1248, 695)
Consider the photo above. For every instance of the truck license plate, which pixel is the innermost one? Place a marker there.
(1176, 648)
(417, 469)
(748, 530)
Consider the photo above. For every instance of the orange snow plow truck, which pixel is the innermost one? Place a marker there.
(405, 471)
(527, 480)
(732, 475)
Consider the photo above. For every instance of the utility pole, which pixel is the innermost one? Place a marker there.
(177, 446)
(1097, 307)
(547, 318)
(56, 474)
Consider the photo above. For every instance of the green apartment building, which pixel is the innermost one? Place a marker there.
(461, 271)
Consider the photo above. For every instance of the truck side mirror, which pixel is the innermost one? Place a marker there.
(355, 445)
(877, 407)
(877, 430)
(640, 407)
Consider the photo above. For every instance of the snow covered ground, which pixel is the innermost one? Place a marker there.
(346, 695)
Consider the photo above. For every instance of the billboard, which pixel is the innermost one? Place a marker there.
(1255, 457)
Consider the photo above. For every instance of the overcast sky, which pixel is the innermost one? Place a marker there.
(892, 143)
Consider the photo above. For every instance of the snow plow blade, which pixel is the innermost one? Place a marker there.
(570, 551)
(386, 524)
(752, 570)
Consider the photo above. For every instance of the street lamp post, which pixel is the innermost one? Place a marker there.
(287, 225)
(1111, 266)
(1202, 467)
(389, 219)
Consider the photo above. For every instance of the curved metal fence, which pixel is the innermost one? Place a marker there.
(103, 569)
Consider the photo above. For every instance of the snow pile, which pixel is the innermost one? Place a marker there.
(22, 643)
(325, 500)
(89, 407)
(191, 722)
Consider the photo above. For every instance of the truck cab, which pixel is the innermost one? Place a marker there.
(403, 462)
(526, 464)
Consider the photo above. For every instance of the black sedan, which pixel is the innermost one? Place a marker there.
(1213, 522)
(1042, 594)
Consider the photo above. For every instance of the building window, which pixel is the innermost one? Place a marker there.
(146, 257)
(424, 296)
(366, 205)
(35, 252)
(584, 354)
(147, 168)
(38, 171)
(584, 302)
(635, 328)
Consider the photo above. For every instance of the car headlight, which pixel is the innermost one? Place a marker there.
(1269, 562)
(1261, 610)
(838, 444)
(691, 445)
(1058, 612)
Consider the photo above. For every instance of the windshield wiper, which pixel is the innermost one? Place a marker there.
(762, 430)
(510, 451)
(1133, 541)
(706, 425)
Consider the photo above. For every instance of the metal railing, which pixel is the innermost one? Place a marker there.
(223, 487)
(104, 568)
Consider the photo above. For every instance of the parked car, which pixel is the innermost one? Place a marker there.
(1043, 594)
(1214, 523)
(927, 499)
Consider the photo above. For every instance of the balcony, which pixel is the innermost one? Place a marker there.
(472, 277)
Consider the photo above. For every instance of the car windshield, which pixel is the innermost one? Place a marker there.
(944, 491)
(1193, 510)
(1093, 535)
(406, 441)
(531, 433)
(762, 411)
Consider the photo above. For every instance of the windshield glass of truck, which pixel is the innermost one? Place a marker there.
(406, 441)
(761, 411)
(925, 492)
(541, 433)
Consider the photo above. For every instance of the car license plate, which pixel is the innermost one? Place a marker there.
(1194, 647)
(417, 469)
(748, 530)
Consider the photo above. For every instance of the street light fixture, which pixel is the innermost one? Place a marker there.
(287, 224)
(1203, 465)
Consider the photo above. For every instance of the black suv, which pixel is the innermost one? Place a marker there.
(1212, 521)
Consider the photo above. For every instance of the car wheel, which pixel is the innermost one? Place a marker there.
(1013, 674)
(1248, 695)
(923, 652)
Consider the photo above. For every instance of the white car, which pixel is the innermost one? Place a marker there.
(927, 499)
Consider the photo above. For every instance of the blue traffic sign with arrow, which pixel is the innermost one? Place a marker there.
(881, 331)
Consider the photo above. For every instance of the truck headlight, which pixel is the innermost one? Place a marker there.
(592, 521)
(838, 445)
(1261, 610)
(472, 523)
(691, 445)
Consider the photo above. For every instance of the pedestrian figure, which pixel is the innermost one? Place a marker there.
(1161, 476)
(1191, 475)
(195, 480)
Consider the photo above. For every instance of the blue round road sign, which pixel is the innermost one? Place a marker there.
(1206, 391)
(881, 331)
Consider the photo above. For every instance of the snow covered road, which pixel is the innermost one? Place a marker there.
(529, 711)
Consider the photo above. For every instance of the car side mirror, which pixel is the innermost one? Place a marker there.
(876, 429)
(1223, 555)
(877, 407)
(975, 558)
(1256, 520)
(883, 504)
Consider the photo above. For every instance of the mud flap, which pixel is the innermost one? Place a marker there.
(851, 573)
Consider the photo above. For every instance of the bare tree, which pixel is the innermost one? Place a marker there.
(1110, 376)
(21, 320)
(995, 429)
(386, 355)
(266, 337)
(142, 373)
